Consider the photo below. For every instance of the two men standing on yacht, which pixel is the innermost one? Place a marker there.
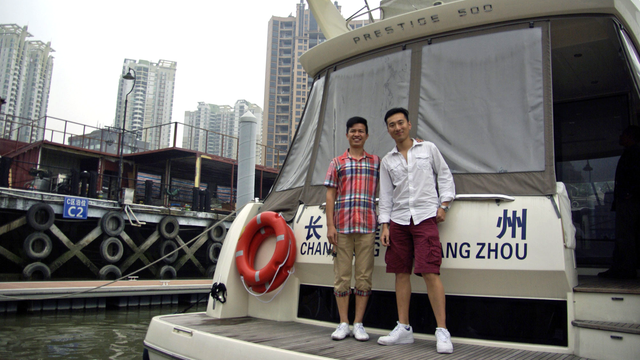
(416, 188)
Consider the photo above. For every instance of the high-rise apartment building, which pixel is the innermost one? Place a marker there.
(286, 83)
(195, 135)
(207, 129)
(150, 104)
(25, 81)
(214, 128)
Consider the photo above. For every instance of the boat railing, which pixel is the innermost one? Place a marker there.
(362, 12)
(22, 132)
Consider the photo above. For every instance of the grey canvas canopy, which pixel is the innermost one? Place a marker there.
(483, 97)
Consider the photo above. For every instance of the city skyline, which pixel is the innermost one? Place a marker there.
(206, 125)
(214, 66)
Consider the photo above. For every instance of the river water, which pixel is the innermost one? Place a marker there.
(83, 334)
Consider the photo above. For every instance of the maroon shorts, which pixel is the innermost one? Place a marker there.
(407, 242)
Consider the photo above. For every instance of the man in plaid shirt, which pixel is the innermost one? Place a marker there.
(352, 182)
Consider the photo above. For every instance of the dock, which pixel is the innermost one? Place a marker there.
(38, 296)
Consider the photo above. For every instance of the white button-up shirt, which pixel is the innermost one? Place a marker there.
(408, 187)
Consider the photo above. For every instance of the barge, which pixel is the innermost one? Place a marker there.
(66, 221)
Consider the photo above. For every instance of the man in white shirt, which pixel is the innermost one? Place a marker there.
(416, 188)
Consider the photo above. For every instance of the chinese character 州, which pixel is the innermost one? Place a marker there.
(513, 222)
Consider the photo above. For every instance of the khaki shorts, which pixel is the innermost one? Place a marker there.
(363, 245)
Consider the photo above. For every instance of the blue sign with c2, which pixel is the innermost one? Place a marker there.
(75, 208)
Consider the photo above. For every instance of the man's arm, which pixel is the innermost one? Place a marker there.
(386, 202)
(332, 233)
(446, 186)
(441, 215)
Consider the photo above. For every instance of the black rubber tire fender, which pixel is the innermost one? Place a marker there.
(110, 272)
(36, 267)
(112, 223)
(166, 247)
(218, 233)
(37, 245)
(167, 272)
(213, 252)
(40, 216)
(106, 250)
(169, 227)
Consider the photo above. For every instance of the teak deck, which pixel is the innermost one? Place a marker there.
(315, 340)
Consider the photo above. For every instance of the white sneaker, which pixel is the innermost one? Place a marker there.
(443, 341)
(400, 335)
(341, 332)
(359, 333)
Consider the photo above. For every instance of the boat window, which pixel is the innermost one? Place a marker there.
(593, 102)
(587, 154)
(481, 101)
(632, 56)
(367, 89)
(294, 171)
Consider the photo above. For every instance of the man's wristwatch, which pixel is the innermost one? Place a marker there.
(444, 207)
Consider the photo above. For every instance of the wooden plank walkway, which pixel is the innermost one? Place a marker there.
(91, 288)
(608, 326)
(594, 284)
(315, 340)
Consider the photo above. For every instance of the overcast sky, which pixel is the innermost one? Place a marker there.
(220, 48)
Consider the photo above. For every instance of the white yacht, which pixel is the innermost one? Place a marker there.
(526, 101)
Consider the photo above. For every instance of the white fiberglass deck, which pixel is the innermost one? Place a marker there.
(315, 340)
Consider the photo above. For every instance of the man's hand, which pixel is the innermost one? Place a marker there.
(440, 216)
(332, 235)
(384, 235)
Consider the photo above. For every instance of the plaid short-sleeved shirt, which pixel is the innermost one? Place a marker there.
(356, 182)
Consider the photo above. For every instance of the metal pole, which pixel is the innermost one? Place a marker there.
(127, 76)
(121, 149)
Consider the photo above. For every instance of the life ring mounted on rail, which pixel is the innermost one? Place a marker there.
(278, 269)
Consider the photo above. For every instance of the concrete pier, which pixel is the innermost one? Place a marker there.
(81, 295)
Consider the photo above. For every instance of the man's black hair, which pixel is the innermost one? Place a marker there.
(395, 111)
(357, 120)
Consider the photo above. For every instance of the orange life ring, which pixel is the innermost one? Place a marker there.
(276, 271)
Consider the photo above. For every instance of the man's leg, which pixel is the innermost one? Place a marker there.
(435, 290)
(343, 308)
(399, 259)
(626, 237)
(343, 269)
(402, 333)
(342, 283)
(364, 248)
(428, 260)
(624, 252)
(358, 328)
(403, 296)
(361, 306)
